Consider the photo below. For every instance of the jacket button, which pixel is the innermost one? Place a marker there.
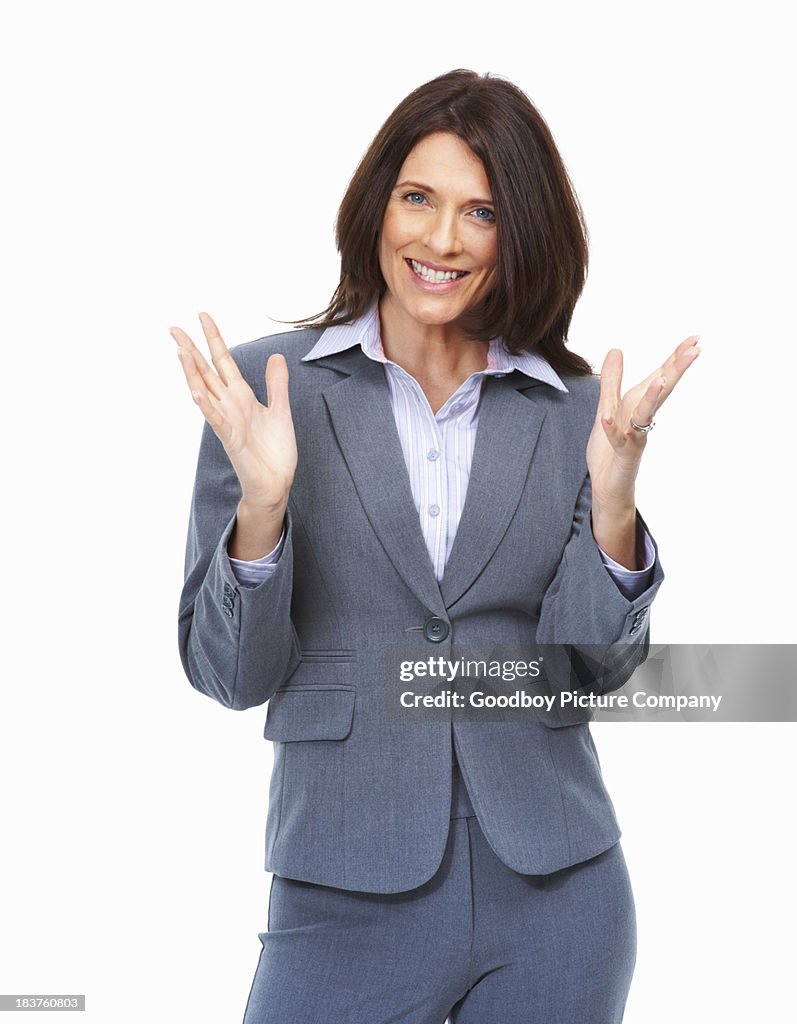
(435, 629)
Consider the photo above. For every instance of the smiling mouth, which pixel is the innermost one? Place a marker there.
(431, 276)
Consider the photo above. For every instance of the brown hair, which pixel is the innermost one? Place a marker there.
(542, 256)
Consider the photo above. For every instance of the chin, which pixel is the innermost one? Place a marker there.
(432, 319)
(433, 314)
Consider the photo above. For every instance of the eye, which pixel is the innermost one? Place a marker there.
(416, 198)
(483, 213)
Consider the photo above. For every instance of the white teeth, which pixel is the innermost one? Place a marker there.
(435, 276)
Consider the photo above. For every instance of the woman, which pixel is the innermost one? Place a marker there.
(473, 868)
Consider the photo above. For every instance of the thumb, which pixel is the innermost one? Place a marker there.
(277, 383)
(611, 382)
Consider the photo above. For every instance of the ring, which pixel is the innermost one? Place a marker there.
(643, 430)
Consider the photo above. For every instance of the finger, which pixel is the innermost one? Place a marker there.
(225, 364)
(677, 363)
(191, 370)
(613, 432)
(277, 383)
(206, 401)
(209, 377)
(681, 359)
(199, 392)
(210, 410)
(674, 369)
(611, 383)
(609, 401)
(647, 406)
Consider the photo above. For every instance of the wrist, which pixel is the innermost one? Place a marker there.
(256, 532)
(613, 511)
(615, 533)
(263, 510)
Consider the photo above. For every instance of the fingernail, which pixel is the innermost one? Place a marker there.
(663, 381)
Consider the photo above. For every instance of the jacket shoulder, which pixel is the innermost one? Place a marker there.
(584, 389)
(580, 399)
(292, 344)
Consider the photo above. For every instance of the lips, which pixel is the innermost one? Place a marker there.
(435, 275)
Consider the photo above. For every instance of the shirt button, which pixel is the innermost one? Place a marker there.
(434, 510)
(433, 454)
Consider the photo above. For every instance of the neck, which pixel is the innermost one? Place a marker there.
(441, 352)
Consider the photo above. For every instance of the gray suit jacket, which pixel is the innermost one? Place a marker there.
(357, 801)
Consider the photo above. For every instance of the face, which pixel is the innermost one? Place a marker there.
(438, 244)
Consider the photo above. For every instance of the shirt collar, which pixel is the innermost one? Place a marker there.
(365, 332)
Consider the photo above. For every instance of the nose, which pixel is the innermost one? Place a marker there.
(442, 236)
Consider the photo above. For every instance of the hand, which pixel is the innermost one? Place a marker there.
(259, 440)
(615, 448)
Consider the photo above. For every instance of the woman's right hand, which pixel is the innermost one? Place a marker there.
(259, 440)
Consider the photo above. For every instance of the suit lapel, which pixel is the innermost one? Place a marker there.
(362, 419)
(508, 431)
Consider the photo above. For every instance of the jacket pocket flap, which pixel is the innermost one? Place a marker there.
(563, 718)
(309, 713)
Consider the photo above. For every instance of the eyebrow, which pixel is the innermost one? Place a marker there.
(428, 188)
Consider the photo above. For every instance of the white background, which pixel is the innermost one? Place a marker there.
(161, 159)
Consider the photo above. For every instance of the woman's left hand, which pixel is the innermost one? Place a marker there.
(615, 447)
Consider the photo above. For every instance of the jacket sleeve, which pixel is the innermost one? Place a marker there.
(597, 636)
(237, 643)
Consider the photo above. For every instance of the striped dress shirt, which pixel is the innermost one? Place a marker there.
(438, 447)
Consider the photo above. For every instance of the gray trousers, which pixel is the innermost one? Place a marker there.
(477, 943)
